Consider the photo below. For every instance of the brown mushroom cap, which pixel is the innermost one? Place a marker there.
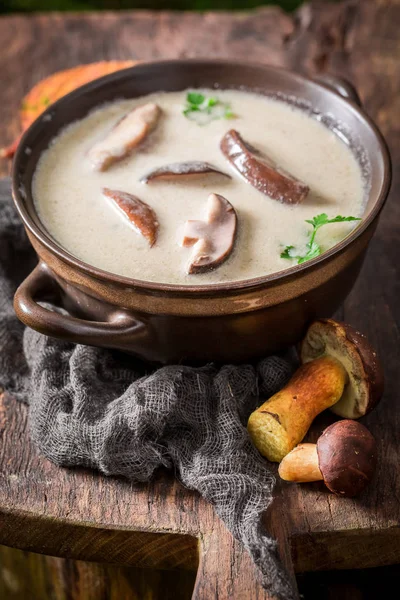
(347, 457)
(364, 388)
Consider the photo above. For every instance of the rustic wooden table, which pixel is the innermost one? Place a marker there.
(82, 516)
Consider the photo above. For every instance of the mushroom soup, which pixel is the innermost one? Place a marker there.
(197, 188)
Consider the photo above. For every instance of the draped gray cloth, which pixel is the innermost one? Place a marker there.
(96, 408)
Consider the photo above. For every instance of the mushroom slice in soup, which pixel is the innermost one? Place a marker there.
(261, 172)
(141, 216)
(212, 239)
(128, 133)
(183, 169)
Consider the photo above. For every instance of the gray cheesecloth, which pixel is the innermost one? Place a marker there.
(97, 408)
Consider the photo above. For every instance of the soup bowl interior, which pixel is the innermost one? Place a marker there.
(92, 293)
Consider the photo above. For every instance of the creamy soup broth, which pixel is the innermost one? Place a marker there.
(68, 192)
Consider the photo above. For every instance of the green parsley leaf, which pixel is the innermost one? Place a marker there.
(191, 109)
(212, 102)
(286, 253)
(340, 219)
(229, 114)
(323, 219)
(195, 98)
(210, 108)
(318, 220)
(314, 249)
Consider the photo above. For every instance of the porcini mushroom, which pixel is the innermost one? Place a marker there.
(128, 132)
(261, 171)
(344, 457)
(214, 238)
(183, 170)
(364, 387)
(141, 216)
(340, 371)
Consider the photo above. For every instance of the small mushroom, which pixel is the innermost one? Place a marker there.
(128, 132)
(261, 171)
(140, 215)
(344, 457)
(212, 239)
(340, 371)
(182, 170)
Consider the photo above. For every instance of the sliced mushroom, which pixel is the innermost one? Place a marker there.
(214, 238)
(364, 389)
(128, 132)
(183, 169)
(141, 216)
(261, 172)
(344, 457)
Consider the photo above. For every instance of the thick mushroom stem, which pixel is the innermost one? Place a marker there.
(301, 464)
(281, 423)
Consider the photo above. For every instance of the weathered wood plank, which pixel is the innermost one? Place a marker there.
(25, 575)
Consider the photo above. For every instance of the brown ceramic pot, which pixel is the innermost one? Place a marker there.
(230, 322)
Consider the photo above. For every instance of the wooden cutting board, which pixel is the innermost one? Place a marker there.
(78, 514)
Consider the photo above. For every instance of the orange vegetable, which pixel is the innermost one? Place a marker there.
(57, 85)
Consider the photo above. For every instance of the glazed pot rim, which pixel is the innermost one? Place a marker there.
(213, 288)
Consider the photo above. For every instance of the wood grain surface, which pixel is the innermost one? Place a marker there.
(33, 576)
(76, 513)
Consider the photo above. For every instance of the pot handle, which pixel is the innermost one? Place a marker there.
(39, 286)
(339, 85)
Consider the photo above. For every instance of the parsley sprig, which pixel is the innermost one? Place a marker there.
(203, 110)
(314, 249)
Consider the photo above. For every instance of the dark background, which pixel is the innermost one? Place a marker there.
(44, 5)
